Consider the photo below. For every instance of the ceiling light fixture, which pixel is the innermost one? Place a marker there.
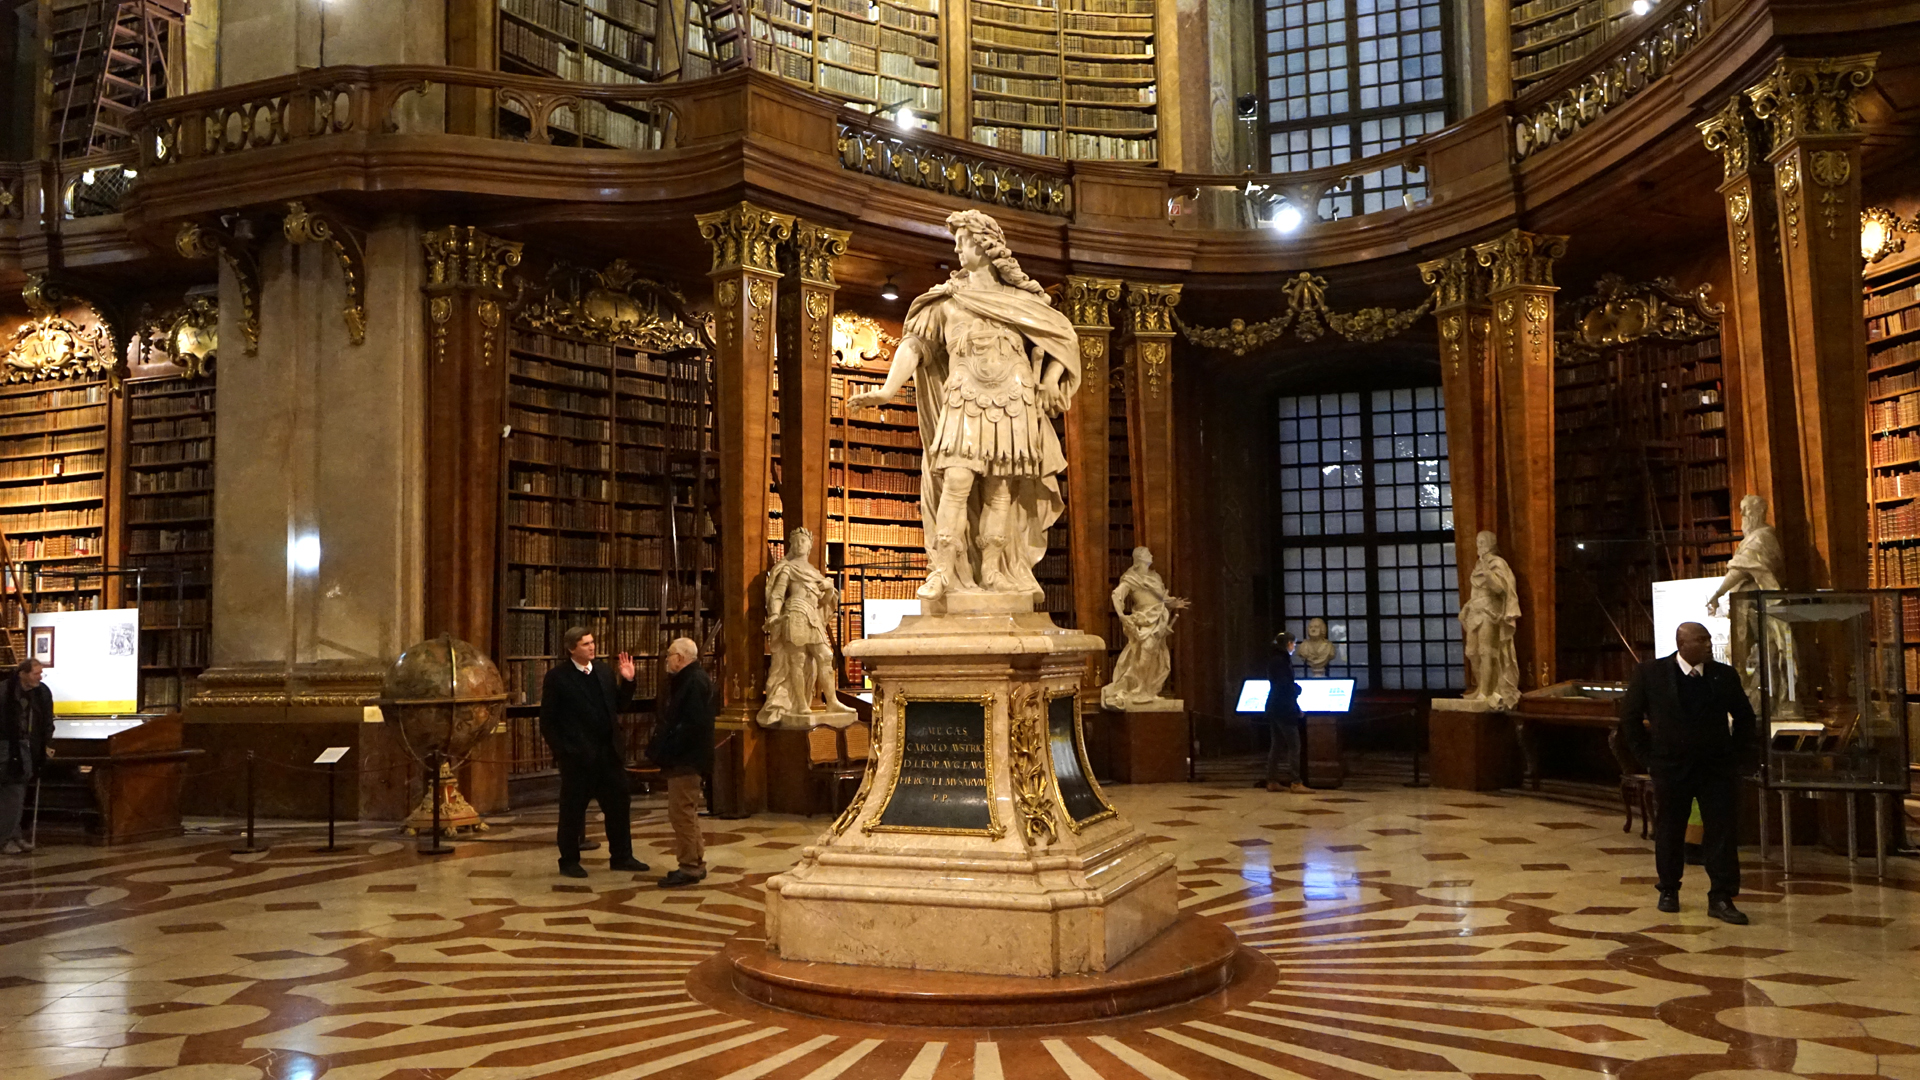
(1286, 219)
(889, 291)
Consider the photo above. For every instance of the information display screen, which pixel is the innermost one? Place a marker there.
(1316, 695)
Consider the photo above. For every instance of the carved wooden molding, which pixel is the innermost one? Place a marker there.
(813, 252)
(890, 157)
(303, 226)
(197, 241)
(463, 257)
(1458, 279)
(1520, 259)
(51, 346)
(1628, 73)
(186, 334)
(1736, 135)
(1812, 97)
(1619, 312)
(615, 306)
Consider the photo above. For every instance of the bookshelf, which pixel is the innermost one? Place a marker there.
(615, 42)
(874, 531)
(874, 55)
(1547, 35)
(1891, 307)
(53, 491)
(1065, 78)
(1642, 488)
(168, 529)
(607, 522)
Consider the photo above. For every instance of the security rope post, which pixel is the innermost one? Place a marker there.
(251, 847)
(435, 764)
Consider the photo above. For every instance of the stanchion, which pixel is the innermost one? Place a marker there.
(331, 847)
(251, 847)
(433, 793)
(1416, 781)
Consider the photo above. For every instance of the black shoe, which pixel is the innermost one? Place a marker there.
(678, 878)
(1726, 912)
(629, 865)
(572, 869)
(1669, 900)
(589, 845)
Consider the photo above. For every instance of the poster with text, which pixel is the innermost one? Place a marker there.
(92, 659)
(1685, 601)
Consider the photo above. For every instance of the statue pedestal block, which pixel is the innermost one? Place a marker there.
(1325, 761)
(1148, 742)
(978, 841)
(1471, 746)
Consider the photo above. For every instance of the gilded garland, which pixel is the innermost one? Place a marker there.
(1309, 317)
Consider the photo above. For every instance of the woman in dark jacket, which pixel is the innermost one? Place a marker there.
(1283, 718)
(26, 727)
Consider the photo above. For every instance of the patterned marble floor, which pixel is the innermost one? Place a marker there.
(1405, 933)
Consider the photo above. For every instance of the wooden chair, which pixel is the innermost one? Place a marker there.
(839, 755)
(1636, 787)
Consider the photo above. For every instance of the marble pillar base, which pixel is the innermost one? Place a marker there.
(978, 841)
(1149, 741)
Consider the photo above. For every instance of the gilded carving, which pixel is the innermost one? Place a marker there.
(1309, 316)
(1089, 299)
(1739, 209)
(745, 237)
(489, 312)
(1630, 71)
(616, 306)
(1812, 96)
(726, 297)
(1786, 177)
(759, 295)
(816, 248)
(1450, 328)
(1150, 307)
(858, 339)
(1537, 313)
(816, 306)
(852, 813)
(1093, 360)
(1830, 169)
(51, 346)
(195, 241)
(187, 334)
(1154, 355)
(1880, 230)
(461, 256)
(1027, 767)
(1733, 134)
(1520, 258)
(1619, 312)
(888, 157)
(440, 310)
(1457, 279)
(303, 226)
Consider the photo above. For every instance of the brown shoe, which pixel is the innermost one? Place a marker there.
(1300, 789)
(1274, 785)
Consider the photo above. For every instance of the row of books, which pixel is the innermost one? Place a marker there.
(1023, 62)
(1903, 411)
(35, 423)
(185, 427)
(1105, 46)
(91, 394)
(1896, 322)
(46, 493)
(1882, 303)
(1566, 52)
(1044, 17)
(1897, 566)
(876, 480)
(560, 424)
(525, 634)
(1893, 384)
(1900, 522)
(171, 453)
(1019, 112)
(1904, 353)
(164, 612)
(43, 467)
(1086, 116)
(190, 478)
(58, 546)
(1588, 14)
(888, 509)
(146, 541)
(866, 455)
(144, 407)
(1894, 449)
(88, 518)
(1111, 24)
(539, 449)
(170, 508)
(550, 550)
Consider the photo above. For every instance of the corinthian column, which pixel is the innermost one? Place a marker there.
(1520, 291)
(1466, 374)
(1810, 108)
(1089, 307)
(746, 277)
(1150, 420)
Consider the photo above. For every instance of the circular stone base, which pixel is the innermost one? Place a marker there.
(1191, 959)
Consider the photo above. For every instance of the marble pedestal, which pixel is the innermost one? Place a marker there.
(998, 856)
(1149, 741)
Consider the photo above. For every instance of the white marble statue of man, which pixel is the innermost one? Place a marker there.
(1147, 612)
(1758, 564)
(1317, 652)
(1489, 617)
(994, 362)
(800, 601)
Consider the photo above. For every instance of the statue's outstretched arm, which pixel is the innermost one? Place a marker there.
(906, 360)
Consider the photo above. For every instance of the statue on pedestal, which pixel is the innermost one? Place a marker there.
(1758, 564)
(994, 362)
(800, 601)
(1147, 612)
(1489, 617)
(1316, 652)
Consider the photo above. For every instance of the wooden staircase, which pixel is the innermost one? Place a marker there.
(109, 58)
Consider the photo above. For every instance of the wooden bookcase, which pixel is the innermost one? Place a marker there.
(874, 530)
(1642, 489)
(1065, 78)
(1547, 35)
(616, 42)
(1892, 312)
(54, 461)
(875, 55)
(168, 530)
(607, 523)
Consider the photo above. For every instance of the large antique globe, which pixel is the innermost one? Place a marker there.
(442, 696)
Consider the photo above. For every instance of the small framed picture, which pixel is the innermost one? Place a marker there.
(42, 646)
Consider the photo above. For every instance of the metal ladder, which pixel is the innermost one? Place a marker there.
(117, 64)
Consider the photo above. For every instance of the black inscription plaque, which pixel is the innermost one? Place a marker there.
(942, 780)
(1083, 803)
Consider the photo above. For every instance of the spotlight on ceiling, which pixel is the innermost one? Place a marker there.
(1641, 7)
(889, 291)
(1286, 219)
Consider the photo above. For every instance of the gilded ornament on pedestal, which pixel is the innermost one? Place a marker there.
(440, 310)
(1032, 780)
(1786, 177)
(1739, 209)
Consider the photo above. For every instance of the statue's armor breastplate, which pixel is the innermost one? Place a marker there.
(988, 371)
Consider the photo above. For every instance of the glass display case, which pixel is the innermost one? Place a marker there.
(1827, 670)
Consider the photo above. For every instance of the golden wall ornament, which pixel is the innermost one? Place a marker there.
(1308, 315)
(1150, 307)
(1638, 65)
(615, 306)
(1537, 312)
(858, 339)
(888, 156)
(1619, 312)
(759, 295)
(1739, 209)
(1093, 361)
(1457, 279)
(1154, 355)
(1033, 794)
(816, 248)
(1815, 96)
(489, 312)
(303, 226)
(1734, 134)
(440, 310)
(461, 256)
(51, 346)
(745, 237)
(1786, 177)
(1830, 169)
(186, 334)
(1520, 259)
(1880, 230)
(196, 241)
(1089, 300)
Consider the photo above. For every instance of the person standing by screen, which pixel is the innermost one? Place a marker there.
(1283, 718)
(26, 726)
(579, 717)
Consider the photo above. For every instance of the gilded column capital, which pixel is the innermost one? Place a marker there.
(1812, 97)
(1458, 279)
(1736, 135)
(745, 237)
(1150, 307)
(1089, 299)
(813, 252)
(463, 257)
(1520, 259)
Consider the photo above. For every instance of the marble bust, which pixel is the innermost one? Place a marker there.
(1489, 617)
(1147, 613)
(800, 601)
(993, 363)
(1316, 651)
(1758, 564)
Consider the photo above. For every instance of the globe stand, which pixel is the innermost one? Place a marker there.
(449, 813)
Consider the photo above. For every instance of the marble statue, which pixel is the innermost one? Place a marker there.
(993, 363)
(1147, 613)
(1316, 651)
(1491, 612)
(1758, 564)
(800, 601)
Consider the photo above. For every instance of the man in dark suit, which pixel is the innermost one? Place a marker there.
(580, 706)
(1282, 717)
(682, 746)
(1675, 718)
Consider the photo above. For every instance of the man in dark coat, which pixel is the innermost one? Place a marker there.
(26, 726)
(682, 746)
(1282, 717)
(580, 706)
(1675, 718)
